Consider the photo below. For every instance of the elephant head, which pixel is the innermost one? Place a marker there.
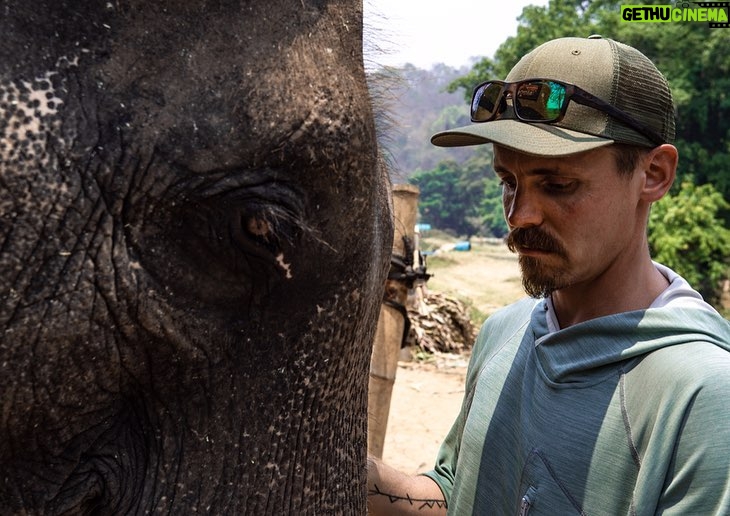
(194, 234)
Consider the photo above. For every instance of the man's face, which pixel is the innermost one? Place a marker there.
(571, 219)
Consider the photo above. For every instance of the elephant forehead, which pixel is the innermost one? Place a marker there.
(222, 100)
(210, 85)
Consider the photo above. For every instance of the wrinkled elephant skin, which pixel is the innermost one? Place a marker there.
(194, 233)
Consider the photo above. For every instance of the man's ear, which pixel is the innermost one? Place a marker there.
(659, 169)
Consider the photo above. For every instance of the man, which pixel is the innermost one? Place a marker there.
(608, 391)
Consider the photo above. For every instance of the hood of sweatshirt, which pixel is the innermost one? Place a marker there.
(590, 351)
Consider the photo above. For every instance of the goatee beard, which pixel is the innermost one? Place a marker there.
(538, 279)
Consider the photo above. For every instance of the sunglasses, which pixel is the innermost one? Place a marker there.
(546, 101)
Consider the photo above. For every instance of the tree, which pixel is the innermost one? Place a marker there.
(447, 198)
(463, 198)
(491, 208)
(489, 202)
(412, 105)
(695, 60)
(687, 235)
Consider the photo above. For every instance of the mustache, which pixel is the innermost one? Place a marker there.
(534, 238)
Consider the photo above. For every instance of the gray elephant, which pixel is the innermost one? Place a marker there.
(194, 235)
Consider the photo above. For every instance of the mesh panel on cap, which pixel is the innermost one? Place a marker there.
(642, 92)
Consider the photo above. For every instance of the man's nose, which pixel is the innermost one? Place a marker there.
(522, 209)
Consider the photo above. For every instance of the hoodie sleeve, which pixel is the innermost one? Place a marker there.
(694, 424)
(698, 481)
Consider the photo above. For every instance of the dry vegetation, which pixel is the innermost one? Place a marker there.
(465, 288)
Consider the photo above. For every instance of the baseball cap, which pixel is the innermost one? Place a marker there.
(614, 72)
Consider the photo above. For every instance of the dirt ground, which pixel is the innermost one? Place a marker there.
(427, 394)
(425, 401)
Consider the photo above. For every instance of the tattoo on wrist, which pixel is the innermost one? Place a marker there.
(424, 502)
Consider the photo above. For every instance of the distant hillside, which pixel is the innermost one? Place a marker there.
(418, 106)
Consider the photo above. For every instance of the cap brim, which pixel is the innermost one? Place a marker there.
(534, 139)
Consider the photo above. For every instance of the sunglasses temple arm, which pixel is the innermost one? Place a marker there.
(583, 97)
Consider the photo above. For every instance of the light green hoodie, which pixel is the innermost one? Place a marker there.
(625, 414)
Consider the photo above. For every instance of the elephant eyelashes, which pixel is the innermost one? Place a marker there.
(249, 239)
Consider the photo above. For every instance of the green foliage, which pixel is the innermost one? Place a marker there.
(448, 197)
(695, 60)
(686, 234)
(491, 208)
(537, 24)
(464, 199)
(482, 71)
(488, 203)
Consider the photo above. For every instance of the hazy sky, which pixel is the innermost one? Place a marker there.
(426, 32)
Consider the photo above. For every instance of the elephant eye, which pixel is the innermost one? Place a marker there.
(260, 231)
(250, 232)
(228, 241)
(258, 227)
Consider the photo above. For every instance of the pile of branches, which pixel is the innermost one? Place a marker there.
(440, 323)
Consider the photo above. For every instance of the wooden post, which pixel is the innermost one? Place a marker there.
(391, 324)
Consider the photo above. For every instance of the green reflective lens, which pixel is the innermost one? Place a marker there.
(539, 101)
